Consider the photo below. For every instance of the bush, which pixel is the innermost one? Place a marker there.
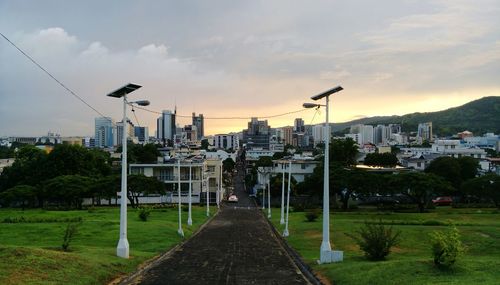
(446, 247)
(70, 233)
(298, 207)
(312, 215)
(144, 213)
(376, 240)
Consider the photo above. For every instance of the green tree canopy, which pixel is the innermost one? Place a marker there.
(228, 165)
(381, 159)
(419, 187)
(487, 187)
(20, 194)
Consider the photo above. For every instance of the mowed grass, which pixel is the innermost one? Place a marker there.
(30, 253)
(411, 261)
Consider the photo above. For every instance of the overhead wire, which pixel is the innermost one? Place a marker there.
(51, 76)
(141, 108)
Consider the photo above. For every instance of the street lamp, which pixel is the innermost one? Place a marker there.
(179, 231)
(122, 249)
(269, 194)
(282, 219)
(285, 232)
(190, 220)
(326, 253)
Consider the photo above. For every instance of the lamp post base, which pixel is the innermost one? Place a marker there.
(282, 221)
(285, 233)
(330, 256)
(180, 232)
(122, 250)
(190, 222)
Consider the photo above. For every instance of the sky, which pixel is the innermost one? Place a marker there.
(226, 58)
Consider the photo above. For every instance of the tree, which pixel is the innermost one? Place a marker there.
(204, 144)
(448, 168)
(228, 165)
(68, 189)
(469, 167)
(23, 194)
(105, 188)
(419, 187)
(264, 161)
(68, 159)
(139, 184)
(30, 168)
(381, 159)
(138, 153)
(343, 151)
(487, 187)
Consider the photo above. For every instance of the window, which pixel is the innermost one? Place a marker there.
(419, 164)
(303, 166)
(137, 170)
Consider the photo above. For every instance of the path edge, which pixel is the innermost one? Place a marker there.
(306, 270)
(148, 264)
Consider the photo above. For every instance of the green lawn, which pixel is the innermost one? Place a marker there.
(411, 261)
(30, 253)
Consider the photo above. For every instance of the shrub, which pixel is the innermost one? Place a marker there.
(298, 207)
(312, 215)
(70, 233)
(446, 247)
(144, 213)
(376, 240)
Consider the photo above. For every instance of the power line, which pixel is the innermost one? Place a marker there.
(141, 108)
(52, 76)
(227, 118)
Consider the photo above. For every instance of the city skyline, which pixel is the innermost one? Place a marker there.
(225, 59)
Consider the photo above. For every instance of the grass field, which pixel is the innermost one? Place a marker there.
(411, 261)
(30, 251)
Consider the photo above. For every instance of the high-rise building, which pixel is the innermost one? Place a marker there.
(119, 131)
(425, 131)
(318, 133)
(227, 141)
(381, 134)
(298, 125)
(165, 126)
(142, 134)
(199, 122)
(287, 133)
(104, 127)
(257, 134)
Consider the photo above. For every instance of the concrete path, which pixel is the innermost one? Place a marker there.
(236, 247)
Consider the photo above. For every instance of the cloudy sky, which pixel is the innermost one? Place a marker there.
(242, 58)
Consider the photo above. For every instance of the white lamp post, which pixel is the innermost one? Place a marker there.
(190, 220)
(269, 194)
(326, 253)
(219, 191)
(285, 232)
(122, 249)
(207, 185)
(179, 231)
(282, 218)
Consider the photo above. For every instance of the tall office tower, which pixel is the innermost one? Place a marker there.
(425, 131)
(287, 133)
(298, 125)
(119, 131)
(318, 133)
(394, 129)
(367, 133)
(142, 134)
(257, 134)
(165, 126)
(199, 122)
(381, 134)
(104, 132)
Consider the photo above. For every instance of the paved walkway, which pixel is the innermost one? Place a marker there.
(236, 247)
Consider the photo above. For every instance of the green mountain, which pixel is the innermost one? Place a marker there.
(479, 116)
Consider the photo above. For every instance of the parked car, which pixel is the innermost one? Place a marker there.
(442, 201)
(233, 199)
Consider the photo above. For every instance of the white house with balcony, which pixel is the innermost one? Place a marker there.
(202, 175)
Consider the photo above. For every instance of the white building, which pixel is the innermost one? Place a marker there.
(424, 132)
(205, 176)
(318, 133)
(227, 141)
